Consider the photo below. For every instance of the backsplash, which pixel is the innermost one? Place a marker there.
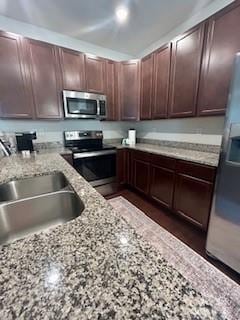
(52, 131)
(202, 130)
(183, 145)
(196, 132)
(185, 138)
(59, 144)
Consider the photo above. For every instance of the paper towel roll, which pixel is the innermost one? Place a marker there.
(132, 137)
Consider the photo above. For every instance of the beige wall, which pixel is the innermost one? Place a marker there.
(207, 130)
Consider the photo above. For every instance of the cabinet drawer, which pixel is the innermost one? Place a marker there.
(163, 161)
(141, 155)
(196, 170)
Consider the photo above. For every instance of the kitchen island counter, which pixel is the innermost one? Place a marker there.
(93, 267)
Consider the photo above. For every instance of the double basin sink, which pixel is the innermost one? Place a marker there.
(36, 203)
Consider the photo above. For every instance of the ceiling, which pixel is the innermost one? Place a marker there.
(94, 20)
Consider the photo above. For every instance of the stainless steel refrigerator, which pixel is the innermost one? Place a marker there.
(223, 240)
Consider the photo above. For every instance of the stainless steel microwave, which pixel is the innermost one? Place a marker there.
(84, 105)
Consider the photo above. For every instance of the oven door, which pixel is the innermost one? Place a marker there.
(80, 105)
(97, 167)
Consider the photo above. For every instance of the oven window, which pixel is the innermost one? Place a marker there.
(82, 106)
(97, 168)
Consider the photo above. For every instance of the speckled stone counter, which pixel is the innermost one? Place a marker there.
(93, 267)
(202, 157)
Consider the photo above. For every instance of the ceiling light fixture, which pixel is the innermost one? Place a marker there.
(121, 14)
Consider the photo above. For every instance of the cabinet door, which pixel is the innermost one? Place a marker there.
(162, 61)
(111, 86)
(95, 74)
(121, 166)
(192, 199)
(146, 87)
(73, 69)
(141, 175)
(15, 99)
(130, 175)
(186, 63)
(162, 185)
(129, 86)
(45, 77)
(222, 44)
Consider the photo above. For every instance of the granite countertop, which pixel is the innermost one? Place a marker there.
(202, 157)
(59, 150)
(93, 267)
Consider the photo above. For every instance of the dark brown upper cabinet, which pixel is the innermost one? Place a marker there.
(73, 69)
(129, 89)
(146, 87)
(15, 98)
(45, 78)
(162, 63)
(222, 44)
(95, 74)
(111, 90)
(189, 77)
(185, 72)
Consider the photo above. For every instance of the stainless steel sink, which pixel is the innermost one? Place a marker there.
(28, 187)
(21, 217)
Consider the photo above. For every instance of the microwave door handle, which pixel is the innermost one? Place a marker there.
(98, 108)
(102, 104)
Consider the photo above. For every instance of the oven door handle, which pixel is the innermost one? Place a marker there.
(93, 154)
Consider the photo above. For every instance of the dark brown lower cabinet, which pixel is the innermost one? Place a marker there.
(162, 179)
(124, 172)
(121, 167)
(162, 185)
(192, 199)
(141, 175)
(184, 187)
(140, 170)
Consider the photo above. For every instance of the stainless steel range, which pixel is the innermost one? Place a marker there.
(95, 161)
